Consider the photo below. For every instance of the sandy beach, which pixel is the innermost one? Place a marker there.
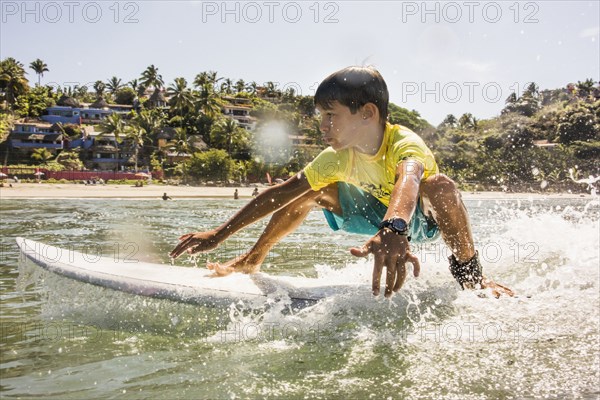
(155, 191)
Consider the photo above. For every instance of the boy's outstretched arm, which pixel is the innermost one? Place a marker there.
(390, 249)
(267, 202)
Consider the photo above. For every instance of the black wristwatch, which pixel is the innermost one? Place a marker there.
(396, 225)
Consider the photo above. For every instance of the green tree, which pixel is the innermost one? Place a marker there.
(180, 142)
(137, 87)
(151, 78)
(113, 126)
(411, 119)
(240, 86)
(449, 122)
(212, 165)
(206, 77)
(125, 95)
(113, 85)
(99, 88)
(70, 160)
(42, 154)
(135, 136)
(208, 101)
(226, 86)
(579, 123)
(150, 121)
(228, 135)
(12, 80)
(39, 67)
(252, 88)
(182, 99)
(34, 102)
(585, 88)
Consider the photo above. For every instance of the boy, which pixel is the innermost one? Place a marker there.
(375, 179)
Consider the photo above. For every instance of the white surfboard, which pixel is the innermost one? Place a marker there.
(183, 284)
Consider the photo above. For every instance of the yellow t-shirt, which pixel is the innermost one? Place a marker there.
(375, 174)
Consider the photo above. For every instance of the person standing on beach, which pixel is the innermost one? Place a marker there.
(375, 178)
(236, 195)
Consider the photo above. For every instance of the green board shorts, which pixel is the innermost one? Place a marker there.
(362, 213)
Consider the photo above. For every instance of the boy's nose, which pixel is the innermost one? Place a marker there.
(325, 125)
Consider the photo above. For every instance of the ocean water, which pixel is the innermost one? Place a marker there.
(61, 339)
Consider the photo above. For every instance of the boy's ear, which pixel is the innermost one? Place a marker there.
(370, 110)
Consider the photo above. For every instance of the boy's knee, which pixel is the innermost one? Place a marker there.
(439, 184)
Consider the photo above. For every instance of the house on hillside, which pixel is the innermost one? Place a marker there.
(106, 153)
(62, 114)
(157, 100)
(239, 109)
(27, 136)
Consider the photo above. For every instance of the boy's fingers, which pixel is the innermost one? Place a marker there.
(377, 269)
(180, 248)
(390, 280)
(361, 251)
(414, 260)
(400, 275)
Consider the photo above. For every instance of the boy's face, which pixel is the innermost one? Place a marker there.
(340, 128)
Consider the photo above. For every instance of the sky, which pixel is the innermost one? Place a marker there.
(438, 58)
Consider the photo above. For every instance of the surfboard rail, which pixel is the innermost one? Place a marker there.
(182, 284)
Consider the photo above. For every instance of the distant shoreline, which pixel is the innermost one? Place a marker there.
(111, 191)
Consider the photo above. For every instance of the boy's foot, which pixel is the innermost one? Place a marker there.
(497, 289)
(244, 263)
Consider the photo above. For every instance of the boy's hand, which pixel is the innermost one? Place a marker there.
(194, 243)
(393, 252)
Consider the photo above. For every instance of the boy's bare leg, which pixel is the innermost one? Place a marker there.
(282, 223)
(442, 198)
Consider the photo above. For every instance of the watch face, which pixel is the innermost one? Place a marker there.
(399, 225)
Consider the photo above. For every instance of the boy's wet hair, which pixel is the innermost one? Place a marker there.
(354, 87)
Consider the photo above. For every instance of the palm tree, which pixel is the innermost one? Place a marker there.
(151, 77)
(99, 87)
(206, 77)
(252, 87)
(113, 125)
(466, 121)
(114, 84)
(240, 86)
(271, 90)
(208, 101)
(180, 143)
(149, 121)
(182, 98)
(12, 80)
(39, 67)
(449, 121)
(227, 134)
(137, 86)
(226, 86)
(80, 91)
(135, 135)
